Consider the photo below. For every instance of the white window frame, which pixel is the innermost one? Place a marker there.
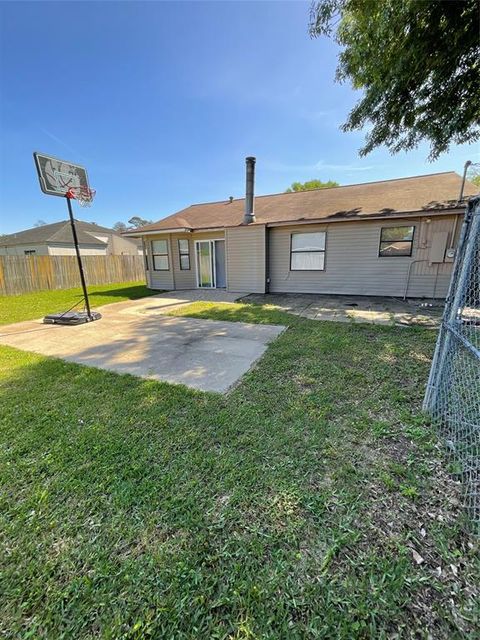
(183, 253)
(160, 254)
(292, 251)
(212, 263)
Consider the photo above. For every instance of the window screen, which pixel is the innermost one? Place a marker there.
(307, 251)
(396, 241)
(160, 255)
(184, 252)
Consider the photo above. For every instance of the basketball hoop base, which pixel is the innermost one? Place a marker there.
(72, 317)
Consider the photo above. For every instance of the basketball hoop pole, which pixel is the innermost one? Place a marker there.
(79, 259)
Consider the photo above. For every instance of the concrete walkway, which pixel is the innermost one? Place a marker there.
(133, 337)
(373, 310)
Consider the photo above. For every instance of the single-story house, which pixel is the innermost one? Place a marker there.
(387, 238)
(56, 240)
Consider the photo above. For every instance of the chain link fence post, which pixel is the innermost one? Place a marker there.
(452, 396)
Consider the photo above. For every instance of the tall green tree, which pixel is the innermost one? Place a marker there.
(417, 62)
(311, 184)
(138, 222)
(476, 180)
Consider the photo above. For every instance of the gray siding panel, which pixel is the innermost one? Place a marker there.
(184, 279)
(246, 259)
(187, 279)
(352, 264)
(158, 279)
(176, 278)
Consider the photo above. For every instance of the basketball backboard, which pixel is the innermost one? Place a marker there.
(57, 177)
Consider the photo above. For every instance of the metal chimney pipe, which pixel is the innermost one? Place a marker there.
(249, 191)
(465, 168)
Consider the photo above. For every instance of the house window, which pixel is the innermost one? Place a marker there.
(307, 251)
(396, 241)
(160, 255)
(30, 252)
(184, 252)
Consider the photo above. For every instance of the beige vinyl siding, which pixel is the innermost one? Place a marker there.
(428, 279)
(159, 279)
(123, 246)
(187, 279)
(183, 279)
(69, 250)
(19, 250)
(176, 278)
(352, 263)
(246, 259)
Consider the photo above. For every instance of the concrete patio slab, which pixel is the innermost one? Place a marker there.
(372, 310)
(203, 354)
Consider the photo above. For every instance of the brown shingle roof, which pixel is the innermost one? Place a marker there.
(434, 192)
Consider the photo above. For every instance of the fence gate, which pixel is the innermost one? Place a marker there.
(453, 390)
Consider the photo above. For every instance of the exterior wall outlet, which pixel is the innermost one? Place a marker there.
(450, 255)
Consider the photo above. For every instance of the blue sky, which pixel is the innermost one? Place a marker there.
(162, 102)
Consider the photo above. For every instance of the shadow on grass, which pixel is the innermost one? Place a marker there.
(238, 312)
(132, 293)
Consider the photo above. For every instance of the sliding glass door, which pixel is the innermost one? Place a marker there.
(205, 264)
(210, 261)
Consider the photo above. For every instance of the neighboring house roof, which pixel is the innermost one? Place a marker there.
(58, 232)
(429, 193)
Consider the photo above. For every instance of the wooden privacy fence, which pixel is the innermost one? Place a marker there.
(21, 274)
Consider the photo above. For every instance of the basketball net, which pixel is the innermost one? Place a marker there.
(83, 195)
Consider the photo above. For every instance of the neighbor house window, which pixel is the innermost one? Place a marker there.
(307, 251)
(160, 255)
(396, 241)
(30, 252)
(184, 252)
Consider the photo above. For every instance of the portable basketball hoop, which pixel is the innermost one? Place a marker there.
(70, 181)
(83, 195)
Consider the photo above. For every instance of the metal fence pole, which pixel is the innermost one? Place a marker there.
(453, 391)
(441, 345)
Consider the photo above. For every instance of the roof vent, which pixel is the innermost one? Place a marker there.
(230, 199)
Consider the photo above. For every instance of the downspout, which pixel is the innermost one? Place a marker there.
(145, 262)
(172, 265)
(436, 280)
(409, 274)
(267, 259)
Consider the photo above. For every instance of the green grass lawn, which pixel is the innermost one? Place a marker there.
(30, 306)
(295, 507)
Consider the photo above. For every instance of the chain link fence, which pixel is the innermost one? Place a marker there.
(453, 390)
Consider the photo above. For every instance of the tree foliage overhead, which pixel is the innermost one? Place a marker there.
(476, 180)
(311, 184)
(417, 62)
(136, 222)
